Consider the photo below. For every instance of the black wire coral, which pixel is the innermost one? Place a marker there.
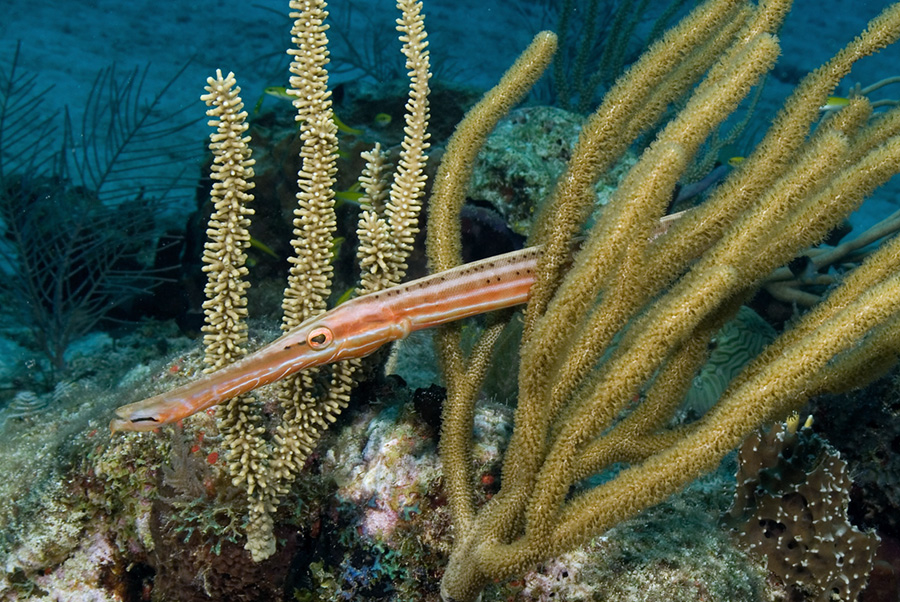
(78, 206)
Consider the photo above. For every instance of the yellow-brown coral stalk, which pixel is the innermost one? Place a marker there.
(630, 320)
(267, 468)
(224, 256)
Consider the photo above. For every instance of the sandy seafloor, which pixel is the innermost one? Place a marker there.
(66, 42)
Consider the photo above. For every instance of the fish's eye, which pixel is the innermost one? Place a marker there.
(319, 338)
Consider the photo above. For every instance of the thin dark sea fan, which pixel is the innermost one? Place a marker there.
(78, 235)
(598, 39)
(370, 49)
(28, 141)
(271, 67)
(126, 140)
(76, 260)
(534, 15)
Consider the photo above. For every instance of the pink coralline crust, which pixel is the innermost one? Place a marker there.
(379, 523)
(79, 577)
(384, 464)
(388, 467)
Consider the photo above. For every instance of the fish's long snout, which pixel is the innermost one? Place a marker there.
(131, 418)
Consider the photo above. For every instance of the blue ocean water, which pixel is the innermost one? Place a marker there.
(66, 45)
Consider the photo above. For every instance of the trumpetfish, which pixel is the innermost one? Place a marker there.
(353, 329)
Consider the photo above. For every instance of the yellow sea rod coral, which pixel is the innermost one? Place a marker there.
(614, 337)
(224, 256)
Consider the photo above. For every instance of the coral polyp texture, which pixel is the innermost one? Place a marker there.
(790, 506)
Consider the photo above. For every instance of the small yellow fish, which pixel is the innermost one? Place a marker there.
(735, 161)
(344, 127)
(345, 296)
(382, 119)
(279, 92)
(283, 93)
(834, 103)
(257, 244)
(352, 195)
(274, 91)
(336, 243)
